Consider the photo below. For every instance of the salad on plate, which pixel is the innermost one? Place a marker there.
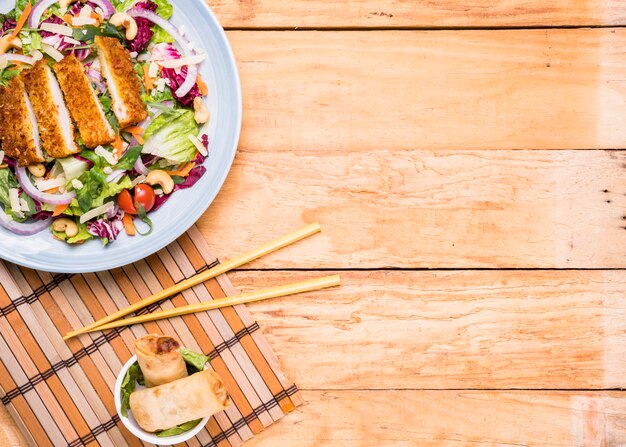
(102, 116)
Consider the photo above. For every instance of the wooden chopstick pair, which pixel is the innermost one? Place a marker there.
(110, 322)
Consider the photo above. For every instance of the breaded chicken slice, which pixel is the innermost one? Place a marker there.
(19, 133)
(81, 100)
(122, 81)
(55, 125)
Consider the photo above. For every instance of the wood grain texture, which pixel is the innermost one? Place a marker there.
(439, 90)
(435, 418)
(410, 13)
(410, 209)
(10, 436)
(452, 418)
(449, 329)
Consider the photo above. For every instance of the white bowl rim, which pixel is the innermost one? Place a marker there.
(138, 431)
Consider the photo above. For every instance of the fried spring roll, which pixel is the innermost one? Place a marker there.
(160, 359)
(122, 81)
(19, 132)
(83, 103)
(55, 125)
(165, 406)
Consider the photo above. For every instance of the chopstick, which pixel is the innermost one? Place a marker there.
(242, 298)
(238, 261)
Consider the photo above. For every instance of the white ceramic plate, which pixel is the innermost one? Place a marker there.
(185, 207)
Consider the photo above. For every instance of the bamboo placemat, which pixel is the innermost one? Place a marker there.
(61, 393)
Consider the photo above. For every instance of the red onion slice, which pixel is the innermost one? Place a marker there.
(31, 190)
(37, 12)
(192, 70)
(106, 7)
(140, 167)
(23, 229)
(10, 57)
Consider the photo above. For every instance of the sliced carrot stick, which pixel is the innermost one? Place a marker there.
(21, 21)
(129, 226)
(148, 83)
(59, 210)
(118, 145)
(133, 129)
(52, 190)
(204, 89)
(67, 18)
(97, 18)
(184, 170)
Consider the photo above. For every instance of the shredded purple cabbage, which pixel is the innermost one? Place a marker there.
(42, 215)
(105, 229)
(166, 51)
(9, 161)
(78, 6)
(8, 24)
(85, 160)
(193, 177)
(176, 80)
(144, 28)
(59, 42)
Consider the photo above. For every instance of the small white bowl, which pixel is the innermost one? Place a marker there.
(132, 425)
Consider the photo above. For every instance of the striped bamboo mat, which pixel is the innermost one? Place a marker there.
(61, 393)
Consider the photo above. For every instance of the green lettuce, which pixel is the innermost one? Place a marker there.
(96, 190)
(168, 136)
(128, 386)
(179, 429)
(194, 359)
(7, 181)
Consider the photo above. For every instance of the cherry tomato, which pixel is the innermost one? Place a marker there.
(144, 196)
(125, 201)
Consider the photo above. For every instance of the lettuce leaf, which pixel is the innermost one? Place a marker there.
(168, 136)
(128, 386)
(179, 429)
(194, 359)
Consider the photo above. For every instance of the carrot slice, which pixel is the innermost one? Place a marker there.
(59, 210)
(129, 226)
(52, 190)
(204, 89)
(67, 18)
(21, 21)
(148, 83)
(184, 170)
(133, 129)
(97, 18)
(118, 145)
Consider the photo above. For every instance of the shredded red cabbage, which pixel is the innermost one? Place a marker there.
(176, 80)
(144, 28)
(60, 42)
(55, 21)
(105, 229)
(167, 51)
(8, 24)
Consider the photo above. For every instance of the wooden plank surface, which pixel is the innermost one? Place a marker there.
(408, 209)
(449, 329)
(437, 90)
(421, 14)
(452, 418)
(434, 418)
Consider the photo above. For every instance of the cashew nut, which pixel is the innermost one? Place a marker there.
(158, 177)
(126, 21)
(38, 170)
(201, 114)
(6, 43)
(65, 225)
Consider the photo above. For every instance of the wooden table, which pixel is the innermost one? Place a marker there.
(464, 159)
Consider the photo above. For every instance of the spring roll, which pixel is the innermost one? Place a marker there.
(160, 359)
(165, 406)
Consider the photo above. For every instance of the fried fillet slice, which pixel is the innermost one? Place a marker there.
(19, 132)
(122, 81)
(55, 125)
(81, 100)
